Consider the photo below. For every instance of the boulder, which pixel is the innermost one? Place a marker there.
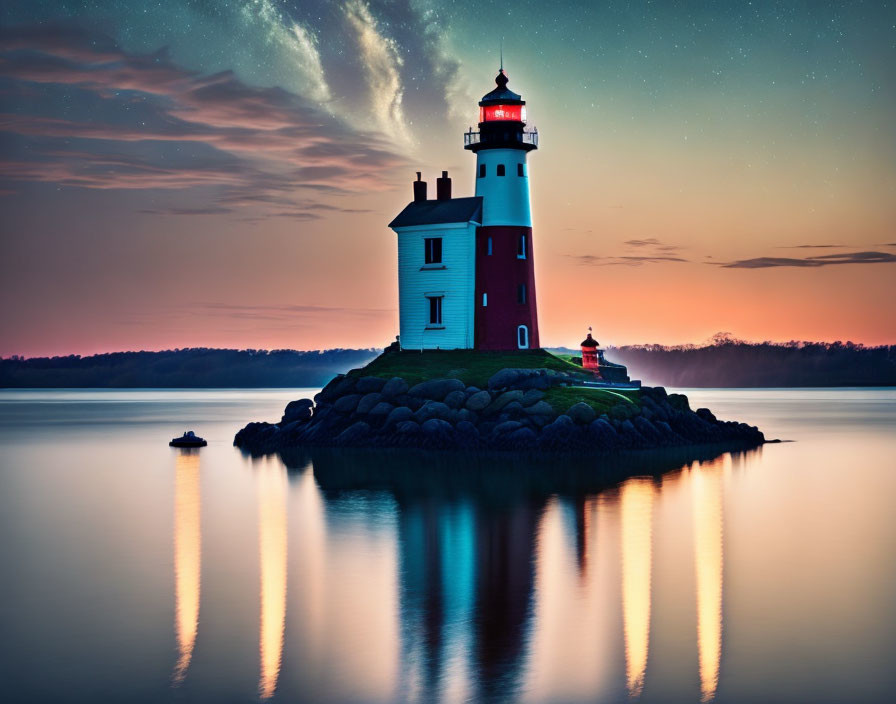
(706, 415)
(581, 413)
(297, 410)
(368, 401)
(369, 384)
(338, 386)
(540, 408)
(465, 414)
(562, 434)
(532, 396)
(432, 409)
(436, 389)
(653, 436)
(502, 400)
(504, 378)
(479, 400)
(411, 402)
(466, 434)
(437, 433)
(455, 399)
(522, 439)
(435, 426)
(397, 415)
(353, 433)
(407, 427)
(601, 435)
(506, 427)
(470, 390)
(346, 404)
(383, 408)
(514, 409)
(396, 386)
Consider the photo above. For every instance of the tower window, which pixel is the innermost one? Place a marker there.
(482, 171)
(433, 250)
(522, 337)
(521, 293)
(484, 300)
(435, 310)
(500, 169)
(521, 247)
(520, 170)
(488, 246)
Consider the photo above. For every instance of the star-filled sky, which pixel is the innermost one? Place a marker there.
(221, 172)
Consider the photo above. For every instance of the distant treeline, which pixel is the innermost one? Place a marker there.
(735, 363)
(726, 363)
(186, 368)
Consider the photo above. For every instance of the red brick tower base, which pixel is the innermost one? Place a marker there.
(505, 289)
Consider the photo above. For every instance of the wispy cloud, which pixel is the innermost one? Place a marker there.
(597, 260)
(382, 63)
(654, 252)
(654, 244)
(810, 262)
(147, 123)
(813, 246)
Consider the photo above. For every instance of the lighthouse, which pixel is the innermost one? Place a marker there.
(506, 315)
(466, 276)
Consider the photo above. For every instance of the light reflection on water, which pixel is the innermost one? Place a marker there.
(345, 577)
(272, 548)
(707, 491)
(187, 557)
(636, 499)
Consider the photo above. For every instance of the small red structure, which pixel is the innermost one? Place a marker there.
(590, 353)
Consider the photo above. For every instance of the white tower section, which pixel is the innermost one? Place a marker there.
(505, 198)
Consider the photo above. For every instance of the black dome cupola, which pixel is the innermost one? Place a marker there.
(502, 93)
(502, 119)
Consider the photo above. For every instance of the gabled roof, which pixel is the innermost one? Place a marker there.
(439, 212)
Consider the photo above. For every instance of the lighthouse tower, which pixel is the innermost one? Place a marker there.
(505, 315)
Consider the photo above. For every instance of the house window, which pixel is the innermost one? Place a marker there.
(433, 250)
(488, 245)
(520, 170)
(484, 300)
(522, 337)
(521, 293)
(500, 169)
(482, 171)
(435, 310)
(521, 247)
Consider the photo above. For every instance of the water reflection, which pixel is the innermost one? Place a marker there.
(706, 483)
(514, 580)
(187, 557)
(636, 508)
(272, 541)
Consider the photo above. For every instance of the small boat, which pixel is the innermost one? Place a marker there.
(188, 439)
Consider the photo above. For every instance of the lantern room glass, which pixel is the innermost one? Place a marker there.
(506, 113)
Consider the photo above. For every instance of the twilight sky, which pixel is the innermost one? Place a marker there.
(221, 173)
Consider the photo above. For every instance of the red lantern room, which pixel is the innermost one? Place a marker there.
(590, 356)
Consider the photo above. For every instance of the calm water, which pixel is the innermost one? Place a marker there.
(134, 572)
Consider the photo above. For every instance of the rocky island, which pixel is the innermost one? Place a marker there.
(526, 401)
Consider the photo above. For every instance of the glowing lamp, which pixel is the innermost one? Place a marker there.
(506, 113)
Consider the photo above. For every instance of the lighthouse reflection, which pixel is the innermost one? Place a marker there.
(636, 508)
(272, 546)
(515, 585)
(187, 557)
